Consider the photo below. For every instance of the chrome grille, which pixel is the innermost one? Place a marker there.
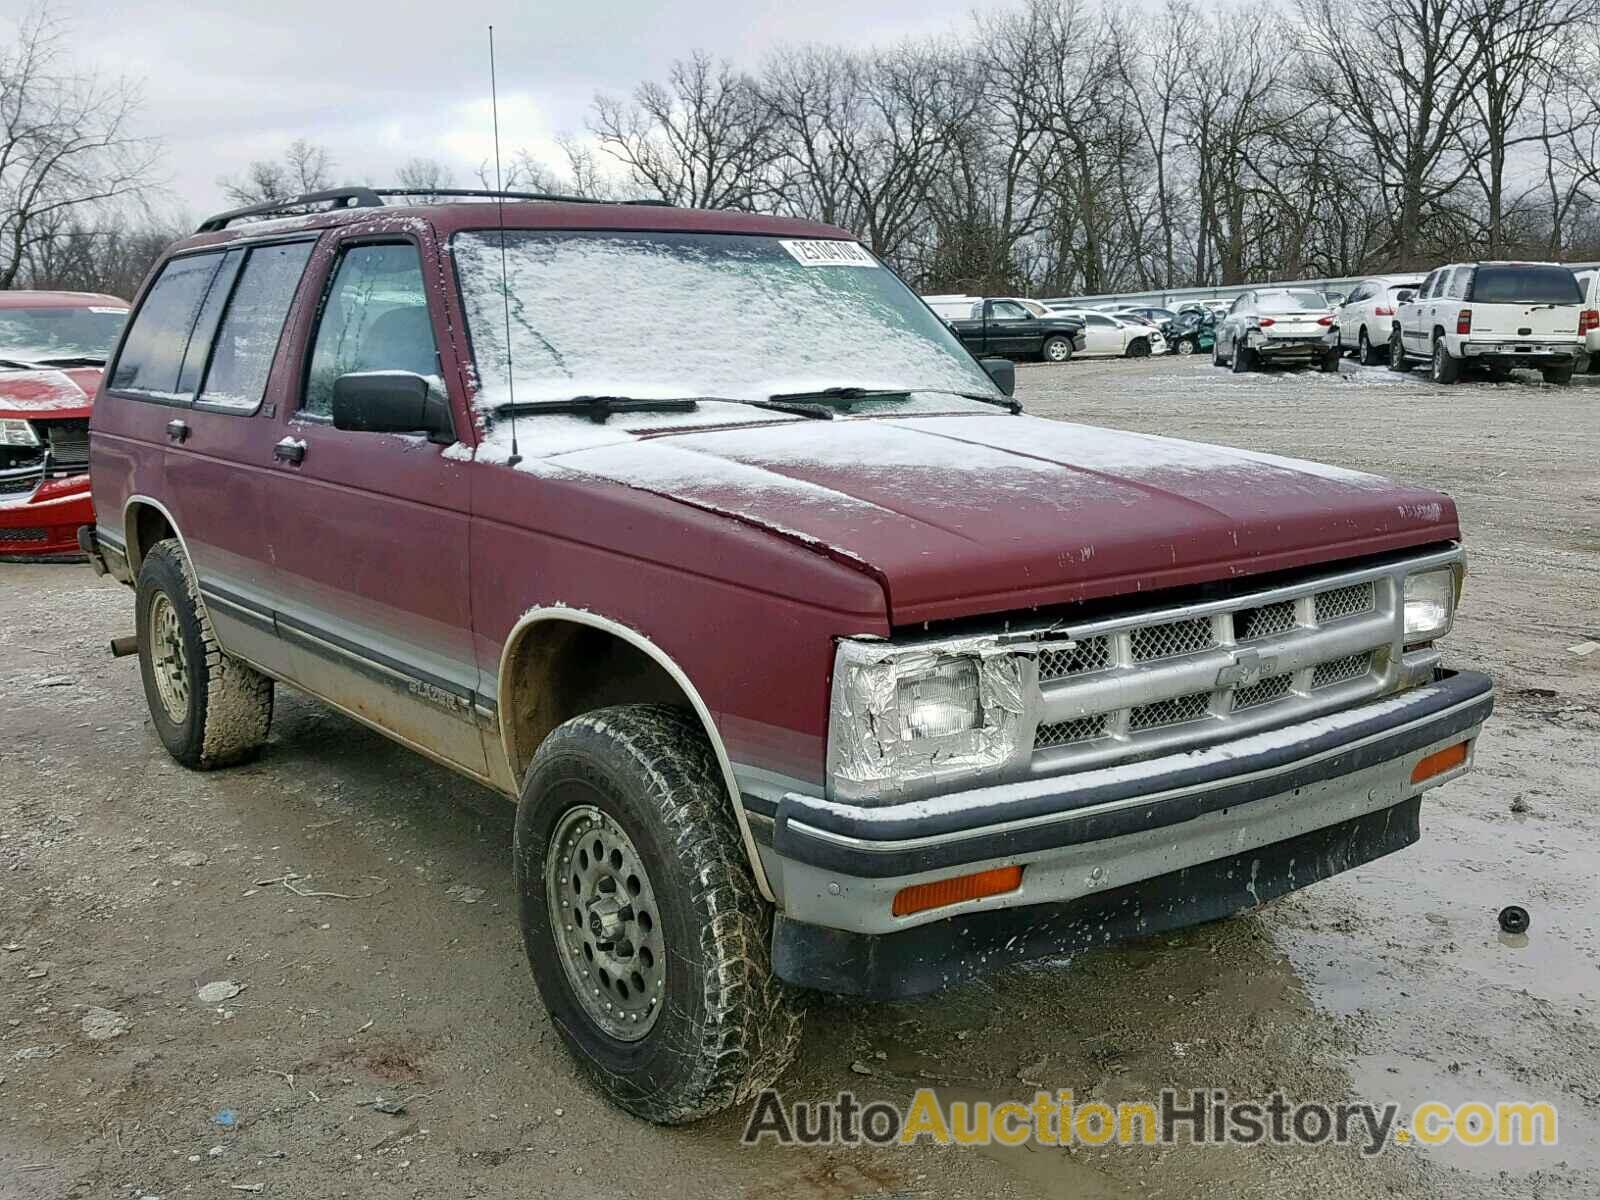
(1339, 603)
(1352, 666)
(1266, 621)
(1091, 654)
(1177, 711)
(1275, 687)
(1160, 681)
(1152, 642)
(1064, 733)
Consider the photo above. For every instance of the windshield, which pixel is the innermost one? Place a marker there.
(1288, 302)
(38, 335)
(671, 314)
(1525, 285)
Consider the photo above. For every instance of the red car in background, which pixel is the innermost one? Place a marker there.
(53, 348)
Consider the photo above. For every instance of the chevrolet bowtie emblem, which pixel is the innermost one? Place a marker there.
(1247, 667)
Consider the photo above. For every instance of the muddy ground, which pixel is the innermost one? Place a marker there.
(127, 883)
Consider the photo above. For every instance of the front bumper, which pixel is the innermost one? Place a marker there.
(1121, 851)
(44, 524)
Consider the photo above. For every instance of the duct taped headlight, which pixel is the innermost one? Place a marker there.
(907, 718)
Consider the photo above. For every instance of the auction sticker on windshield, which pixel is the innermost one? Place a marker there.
(828, 253)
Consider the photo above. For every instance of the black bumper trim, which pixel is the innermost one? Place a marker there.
(1462, 701)
(926, 958)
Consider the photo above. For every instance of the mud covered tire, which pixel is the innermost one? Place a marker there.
(727, 1027)
(213, 710)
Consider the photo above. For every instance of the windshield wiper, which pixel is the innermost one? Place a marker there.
(1010, 403)
(817, 412)
(597, 408)
(75, 360)
(823, 395)
(16, 364)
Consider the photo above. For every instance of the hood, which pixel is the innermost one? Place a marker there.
(47, 392)
(961, 515)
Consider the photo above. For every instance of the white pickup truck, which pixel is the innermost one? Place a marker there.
(1495, 315)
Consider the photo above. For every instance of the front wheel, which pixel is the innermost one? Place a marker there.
(1139, 348)
(208, 708)
(1057, 349)
(1185, 346)
(1397, 353)
(648, 941)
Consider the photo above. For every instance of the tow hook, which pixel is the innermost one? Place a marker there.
(123, 646)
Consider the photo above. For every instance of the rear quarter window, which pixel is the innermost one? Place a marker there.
(153, 353)
(1525, 285)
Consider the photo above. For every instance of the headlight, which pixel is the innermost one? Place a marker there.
(905, 717)
(17, 433)
(1430, 604)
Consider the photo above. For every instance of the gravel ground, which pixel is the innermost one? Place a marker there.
(126, 884)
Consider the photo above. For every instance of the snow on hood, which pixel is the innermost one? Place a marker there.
(964, 514)
(48, 392)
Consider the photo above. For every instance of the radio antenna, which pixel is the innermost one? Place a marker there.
(505, 285)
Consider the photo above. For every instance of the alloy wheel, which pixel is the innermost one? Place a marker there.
(606, 922)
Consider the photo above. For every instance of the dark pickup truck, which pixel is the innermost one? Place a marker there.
(1008, 328)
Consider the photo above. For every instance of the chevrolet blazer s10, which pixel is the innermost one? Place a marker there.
(809, 661)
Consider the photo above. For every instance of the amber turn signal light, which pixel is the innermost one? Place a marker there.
(1440, 761)
(923, 896)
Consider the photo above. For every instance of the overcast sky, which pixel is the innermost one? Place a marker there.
(227, 81)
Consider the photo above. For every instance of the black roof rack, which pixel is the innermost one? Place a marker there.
(365, 197)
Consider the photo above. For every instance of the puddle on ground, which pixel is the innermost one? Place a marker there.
(1442, 1005)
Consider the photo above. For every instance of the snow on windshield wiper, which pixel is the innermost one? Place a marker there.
(597, 408)
(824, 395)
(1010, 403)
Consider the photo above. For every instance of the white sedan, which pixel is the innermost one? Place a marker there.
(1104, 334)
(1367, 315)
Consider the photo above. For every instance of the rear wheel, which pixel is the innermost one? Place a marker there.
(1243, 358)
(1446, 368)
(1328, 364)
(648, 940)
(208, 708)
(1397, 352)
(1057, 349)
(1368, 354)
(1216, 354)
(1559, 376)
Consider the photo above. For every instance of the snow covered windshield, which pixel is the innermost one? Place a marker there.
(655, 315)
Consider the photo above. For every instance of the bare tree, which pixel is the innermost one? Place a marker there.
(703, 139)
(428, 176)
(67, 149)
(1402, 89)
(305, 167)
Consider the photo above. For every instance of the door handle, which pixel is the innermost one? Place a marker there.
(177, 430)
(289, 450)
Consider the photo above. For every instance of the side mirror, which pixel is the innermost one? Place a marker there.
(1405, 296)
(390, 402)
(1004, 373)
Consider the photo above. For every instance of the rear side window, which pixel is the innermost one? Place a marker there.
(1460, 283)
(152, 356)
(1525, 285)
(247, 339)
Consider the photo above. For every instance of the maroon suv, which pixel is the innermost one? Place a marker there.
(807, 659)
